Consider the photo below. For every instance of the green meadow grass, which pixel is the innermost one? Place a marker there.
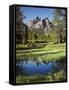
(49, 52)
(58, 76)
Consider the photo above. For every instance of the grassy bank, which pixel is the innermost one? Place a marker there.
(49, 52)
(51, 77)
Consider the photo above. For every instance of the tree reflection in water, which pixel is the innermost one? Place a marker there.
(28, 66)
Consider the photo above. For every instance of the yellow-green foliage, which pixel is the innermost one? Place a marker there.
(50, 51)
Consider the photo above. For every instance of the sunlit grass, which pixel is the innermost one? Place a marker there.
(50, 52)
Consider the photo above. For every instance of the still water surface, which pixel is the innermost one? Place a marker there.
(31, 67)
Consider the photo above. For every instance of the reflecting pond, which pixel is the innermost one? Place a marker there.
(36, 66)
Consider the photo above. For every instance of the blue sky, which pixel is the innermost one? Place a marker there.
(31, 13)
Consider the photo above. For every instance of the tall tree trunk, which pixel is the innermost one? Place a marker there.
(26, 35)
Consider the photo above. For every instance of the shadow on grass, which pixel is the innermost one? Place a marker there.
(45, 53)
(29, 48)
(30, 51)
